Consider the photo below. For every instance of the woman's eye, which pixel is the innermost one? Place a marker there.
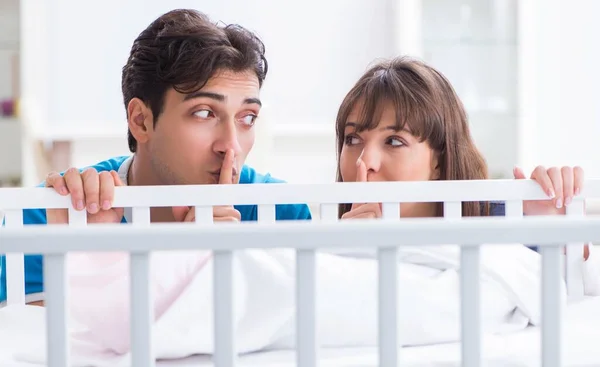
(249, 119)
(395, 142)
(352, 140)
(203, 114)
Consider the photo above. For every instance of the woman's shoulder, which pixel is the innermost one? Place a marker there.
(497, 209)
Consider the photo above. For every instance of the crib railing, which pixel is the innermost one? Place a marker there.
(386, 235)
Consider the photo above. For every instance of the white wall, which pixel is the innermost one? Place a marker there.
(559, 75)
(503, 61)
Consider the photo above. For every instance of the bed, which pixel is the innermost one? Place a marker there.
(553, 324)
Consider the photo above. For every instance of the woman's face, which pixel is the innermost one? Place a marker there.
(388, 155)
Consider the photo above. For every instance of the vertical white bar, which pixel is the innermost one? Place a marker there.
(15, 266)
(389, 343)
(470, 314)
(574, 258)
(55, 282)
(514, 209)
(307, 344)
(204, 215)
(266, 213)
(142, 306)
(306, 308)
(56, 296)
(329, 212)
(551, 306)
(224, 325)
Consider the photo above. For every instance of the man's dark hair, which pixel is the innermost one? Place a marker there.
(183, 49)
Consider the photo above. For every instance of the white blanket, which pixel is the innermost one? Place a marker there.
(347, 304)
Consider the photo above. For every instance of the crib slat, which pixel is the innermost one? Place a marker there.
(266, 213)
(56, 296)
(470, 306)
(55, 286)
(15, 266)
(224, 325)
(391, 211)
(204, 215)
(389, 343)
(142, 310)
(470, 314)
(574, 259)
(551, 306)
(306, 308)
(514, 208)
(329, 212)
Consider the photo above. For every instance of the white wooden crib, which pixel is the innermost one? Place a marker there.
(324, 231)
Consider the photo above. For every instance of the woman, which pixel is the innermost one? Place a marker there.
(402, 121)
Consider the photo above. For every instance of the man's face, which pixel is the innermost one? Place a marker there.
(189, 141)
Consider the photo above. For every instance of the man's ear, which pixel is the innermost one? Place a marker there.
(139, 120)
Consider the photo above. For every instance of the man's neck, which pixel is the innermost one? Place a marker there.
(140, 174)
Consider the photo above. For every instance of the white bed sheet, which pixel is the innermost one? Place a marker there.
(581, 347)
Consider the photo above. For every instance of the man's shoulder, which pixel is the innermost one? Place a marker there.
(38, 216)
(250, 176)
(282, 212)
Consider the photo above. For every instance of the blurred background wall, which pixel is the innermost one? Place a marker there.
(526, 71)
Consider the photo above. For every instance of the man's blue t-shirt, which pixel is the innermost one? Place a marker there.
(33, 263)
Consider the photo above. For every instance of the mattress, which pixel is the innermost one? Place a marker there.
(581, 333)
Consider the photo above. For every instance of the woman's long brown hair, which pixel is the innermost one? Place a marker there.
(427, 104)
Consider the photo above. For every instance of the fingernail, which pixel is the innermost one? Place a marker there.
(558, 203)
(567, 201)
(63, 191)
(105, 205)
(577, 191)
(93, 208)
(80, 205)
(551, 193)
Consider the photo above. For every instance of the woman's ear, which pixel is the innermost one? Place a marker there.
(139, 120)
(435, 167)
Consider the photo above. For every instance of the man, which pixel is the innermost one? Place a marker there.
(191, 92)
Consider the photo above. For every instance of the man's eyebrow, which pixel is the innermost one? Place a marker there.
(218, 97)
(253, 101)
(215, 96)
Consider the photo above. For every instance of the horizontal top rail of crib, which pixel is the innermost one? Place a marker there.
(473, 231)
(268, 194)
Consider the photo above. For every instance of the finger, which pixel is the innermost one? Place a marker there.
(91, 190)
(226, 211)
(361, 176)
(567, 182)
(518, 173)
(366, 215)
(180, 212)
(557, 183)
(75, 186)
(578, 179)
(227, 219)
(361, 171)
(57, 182)
(540, 175)
(226, 176)
(374, 208)
(116, 179)
(107, 190)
